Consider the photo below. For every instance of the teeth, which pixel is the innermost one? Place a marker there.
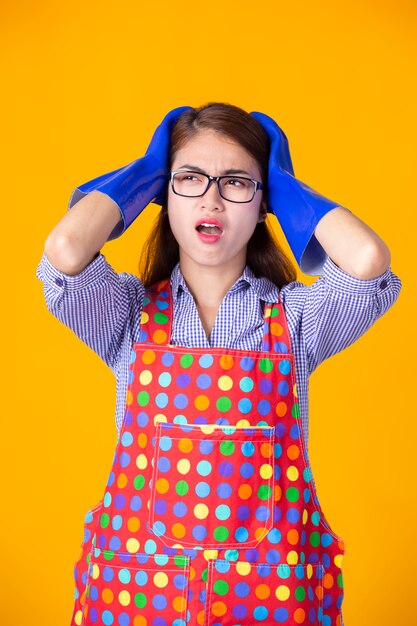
(209, 229)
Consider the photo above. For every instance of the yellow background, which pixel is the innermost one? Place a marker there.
(84, 86)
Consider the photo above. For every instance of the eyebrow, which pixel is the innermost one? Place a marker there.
(195, 168)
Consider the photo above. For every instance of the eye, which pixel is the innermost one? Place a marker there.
(237, 182)
(188, 177)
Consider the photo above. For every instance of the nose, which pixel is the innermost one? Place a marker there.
(212, 199)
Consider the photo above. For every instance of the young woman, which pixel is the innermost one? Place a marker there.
(210, 515)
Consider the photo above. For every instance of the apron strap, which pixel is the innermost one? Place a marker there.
(276, 334)
(157, 314)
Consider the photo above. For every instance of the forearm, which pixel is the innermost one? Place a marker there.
(352, 244)
(82, 232)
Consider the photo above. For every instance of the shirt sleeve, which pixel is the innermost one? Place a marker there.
(333, 312)
(98, 305)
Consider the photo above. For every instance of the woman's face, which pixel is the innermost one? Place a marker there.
(214, 154)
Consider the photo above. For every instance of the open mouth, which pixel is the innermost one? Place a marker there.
(209, 229)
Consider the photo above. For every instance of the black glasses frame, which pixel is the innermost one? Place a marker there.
(256, 184)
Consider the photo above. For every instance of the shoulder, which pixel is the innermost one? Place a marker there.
(97, 272)
(336, 309)
(336, 281)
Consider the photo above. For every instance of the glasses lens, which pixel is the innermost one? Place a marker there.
(233, 188)
(237, 189)
(190, 183)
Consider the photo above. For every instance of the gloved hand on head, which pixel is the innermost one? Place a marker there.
(134, 186)
(297, 206)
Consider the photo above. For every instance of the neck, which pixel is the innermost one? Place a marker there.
(209, 284)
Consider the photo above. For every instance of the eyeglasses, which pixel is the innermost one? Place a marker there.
(231, 188)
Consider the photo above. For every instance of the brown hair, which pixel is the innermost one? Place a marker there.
(265, 257)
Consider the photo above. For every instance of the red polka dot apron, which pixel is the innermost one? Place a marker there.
(210, 515)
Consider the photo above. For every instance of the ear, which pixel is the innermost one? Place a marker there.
(262, 216)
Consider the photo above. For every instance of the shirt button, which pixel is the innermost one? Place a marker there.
(383, 284)
(59, 282)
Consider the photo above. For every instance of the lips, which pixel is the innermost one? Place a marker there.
(209, 225)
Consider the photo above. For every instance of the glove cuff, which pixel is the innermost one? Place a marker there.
(131, 187)
(299, 208)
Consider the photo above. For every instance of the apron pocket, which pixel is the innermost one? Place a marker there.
(122, 587)
(212, 486)
(248, 593)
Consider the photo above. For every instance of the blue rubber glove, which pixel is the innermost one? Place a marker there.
(134, 186)
(297, 207)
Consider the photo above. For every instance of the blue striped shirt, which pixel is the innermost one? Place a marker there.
(103, 309)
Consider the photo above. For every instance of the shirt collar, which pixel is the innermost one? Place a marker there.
(264, 288)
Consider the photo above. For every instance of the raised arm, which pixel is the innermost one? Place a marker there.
(352, 245)
(81, 233)
(104, 207)
(81, 289)
(357, 287)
